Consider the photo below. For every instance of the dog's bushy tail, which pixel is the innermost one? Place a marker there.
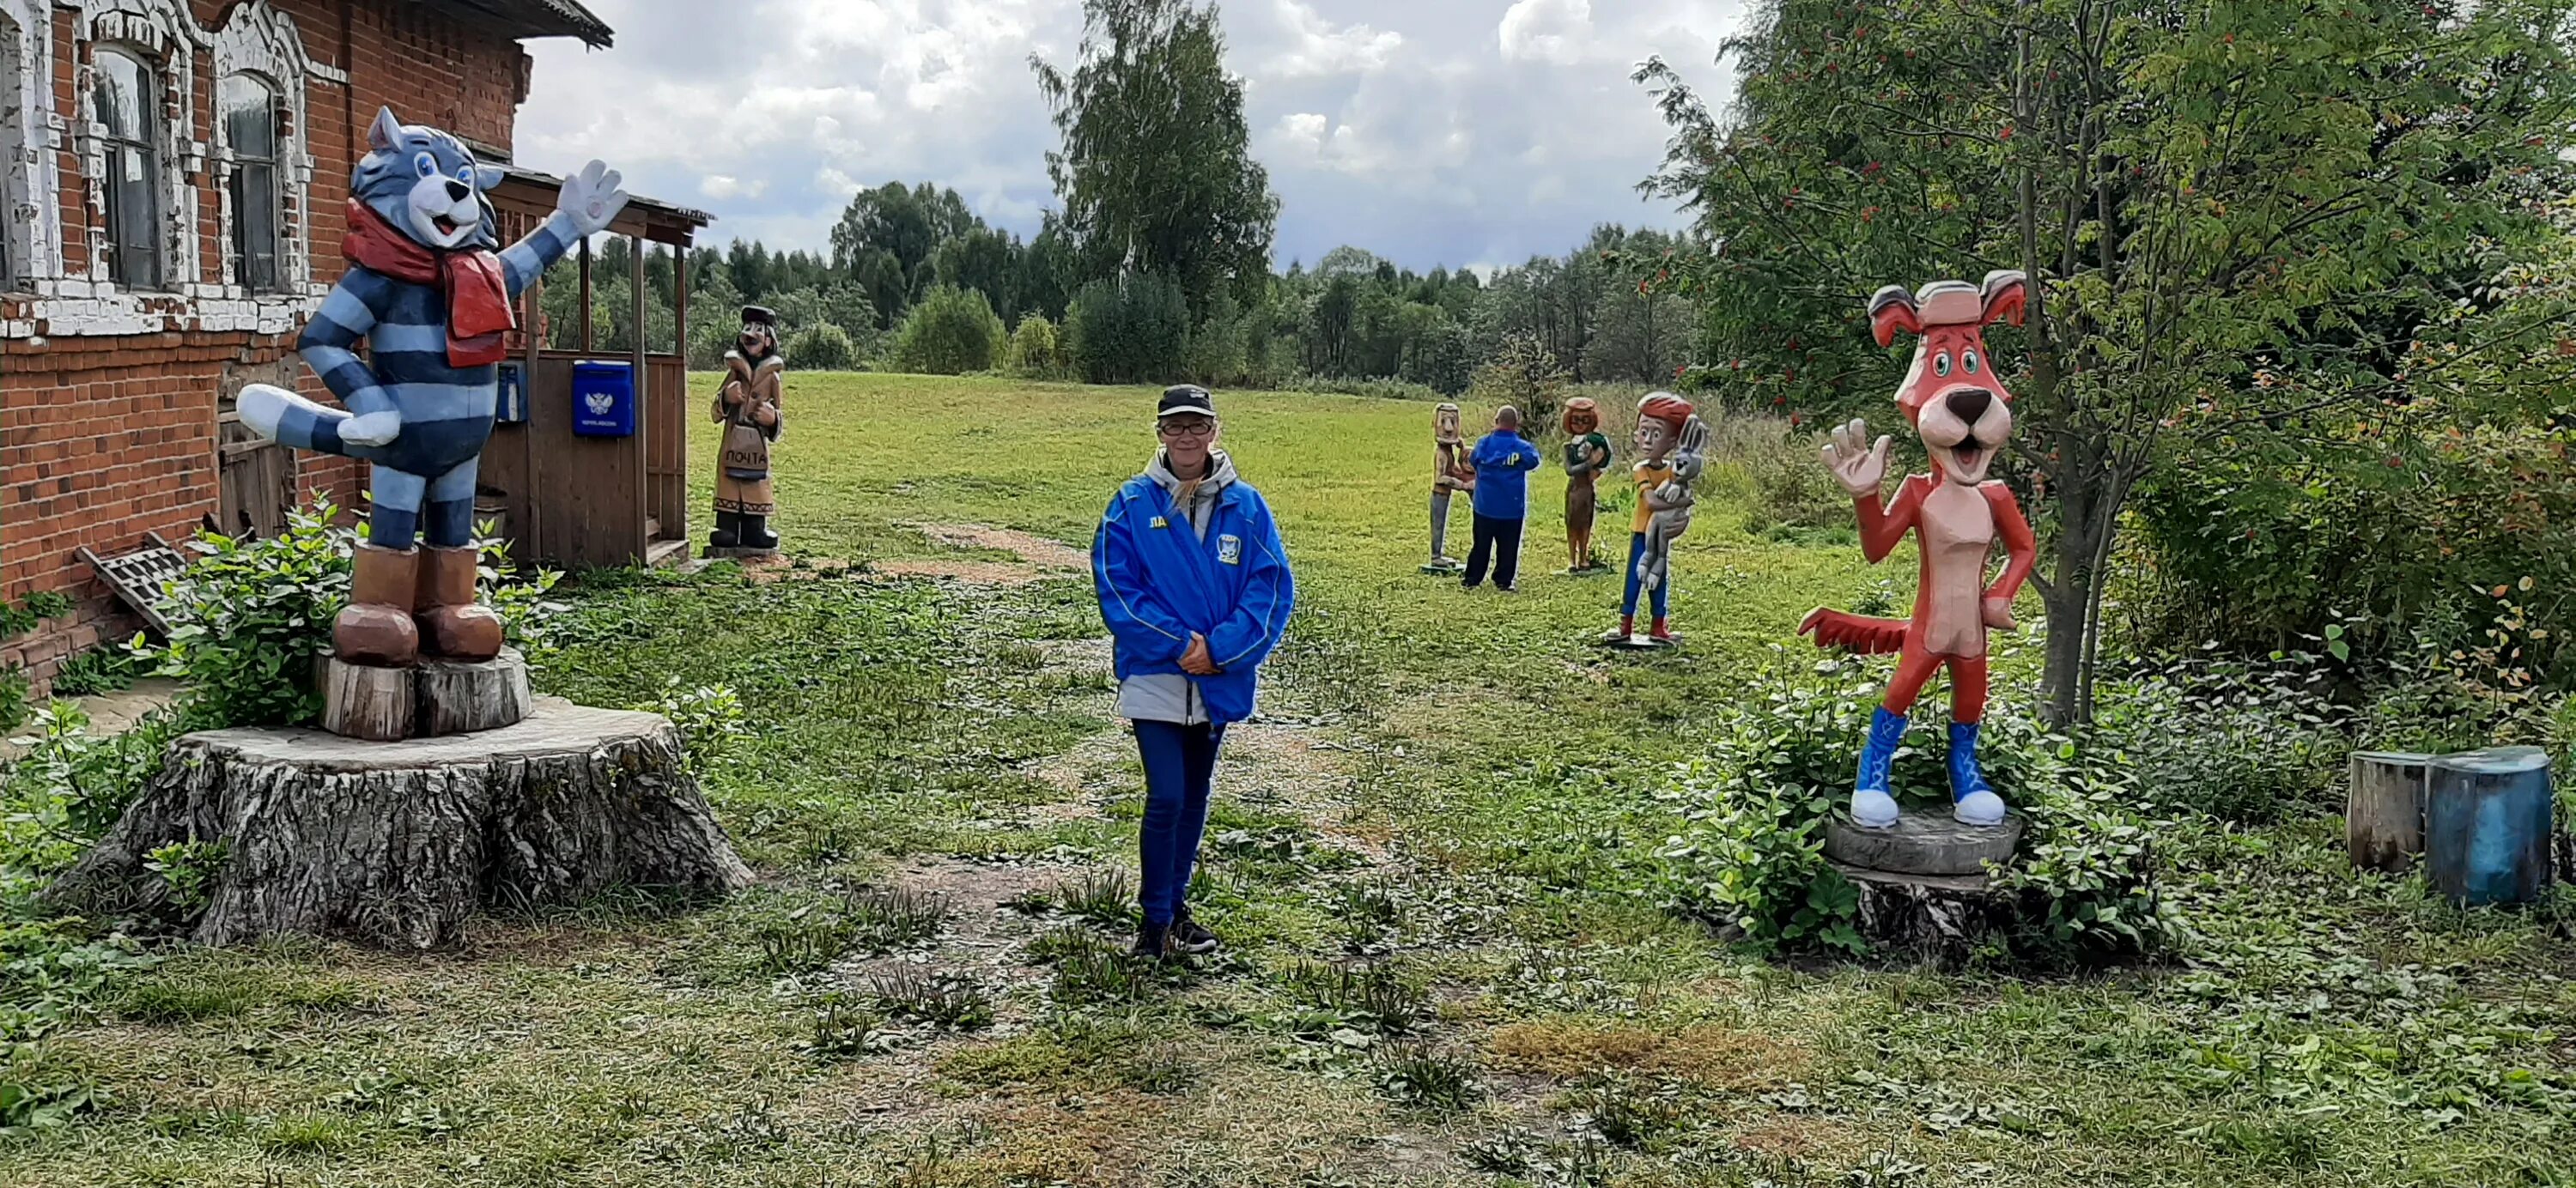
(1855, 633)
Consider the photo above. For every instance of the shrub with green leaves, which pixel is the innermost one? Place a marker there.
(1037, 351)
(99, 670)
(708, 717)
(247, 618)
(823, 347)
(1752, 855)
(1131, 329)
(14, 691)
(951, 332)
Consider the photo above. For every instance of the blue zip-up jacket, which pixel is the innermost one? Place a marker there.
(1503, 465)
(1158, 581)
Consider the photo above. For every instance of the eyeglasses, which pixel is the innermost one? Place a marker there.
(1186, 428)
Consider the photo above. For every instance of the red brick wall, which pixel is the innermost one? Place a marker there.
(105, 438)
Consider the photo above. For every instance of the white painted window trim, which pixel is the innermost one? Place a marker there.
(166, 38)
(30, 145)
(168, 31)
(262, 41)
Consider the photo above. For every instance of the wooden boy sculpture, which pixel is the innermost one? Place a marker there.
(1450, 474)
(1963, 414)
(1672, 446)
(748, 406)
(432, 297)
(1587, 454)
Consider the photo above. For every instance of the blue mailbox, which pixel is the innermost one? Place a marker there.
(603, 398)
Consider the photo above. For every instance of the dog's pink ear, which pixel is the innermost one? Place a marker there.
(2005, 293)
(1892, 309)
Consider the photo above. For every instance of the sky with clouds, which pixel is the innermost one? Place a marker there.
(1477, 132)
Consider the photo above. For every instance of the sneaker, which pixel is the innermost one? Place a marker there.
(1191, 937)
(1152, 940)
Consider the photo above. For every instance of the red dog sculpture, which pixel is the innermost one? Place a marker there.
(1963, 414)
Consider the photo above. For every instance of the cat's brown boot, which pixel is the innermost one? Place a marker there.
(452, 625)
(376, 627)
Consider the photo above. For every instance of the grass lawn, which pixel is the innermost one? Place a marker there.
(1432, 861)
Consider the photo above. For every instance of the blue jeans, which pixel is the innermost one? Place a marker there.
(1180, 766)
(1663, 599)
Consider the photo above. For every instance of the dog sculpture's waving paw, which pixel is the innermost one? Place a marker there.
(1859, 468)
(591, 198)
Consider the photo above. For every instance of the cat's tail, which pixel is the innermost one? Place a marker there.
(289, 419)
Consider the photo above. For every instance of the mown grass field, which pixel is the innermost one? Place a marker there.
(1433, 862)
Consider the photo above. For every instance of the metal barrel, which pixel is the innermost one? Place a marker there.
(2487, 825)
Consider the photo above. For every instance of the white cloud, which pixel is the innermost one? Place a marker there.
(717, 185)
(1312, 47)
(1428, 131)
(1558, 31)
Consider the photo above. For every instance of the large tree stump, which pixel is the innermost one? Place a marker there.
(1942, 919)
(396, 843)
(1923, 883)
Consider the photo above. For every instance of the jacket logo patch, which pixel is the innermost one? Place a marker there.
(1159, 522)
(1229, 550)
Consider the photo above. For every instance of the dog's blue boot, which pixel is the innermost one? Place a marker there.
(1871, 805)
(1974, 803)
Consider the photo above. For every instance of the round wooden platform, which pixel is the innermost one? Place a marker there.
(431, 698)
(396, 843)
(1923, 842)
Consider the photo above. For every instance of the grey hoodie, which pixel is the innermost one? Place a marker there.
(1169, 696)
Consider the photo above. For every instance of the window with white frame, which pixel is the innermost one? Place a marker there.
(126, 96)
(251, 117)
(13, 142)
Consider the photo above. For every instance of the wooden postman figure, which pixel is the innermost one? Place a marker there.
(747, 405)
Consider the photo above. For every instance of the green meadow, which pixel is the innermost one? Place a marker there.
(1435, 861)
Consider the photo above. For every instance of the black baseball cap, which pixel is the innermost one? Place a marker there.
(1180, 399)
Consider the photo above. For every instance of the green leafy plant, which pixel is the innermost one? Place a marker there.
(1107, 896)
(952, 331)
(845, 1029)
(709, 718)
(948, 1000)
(14, 693)
(1423, 1079)
(30, 612)
(98, 670)
(67, 787)
(189, 869)
(1375, 997)
(248, 617)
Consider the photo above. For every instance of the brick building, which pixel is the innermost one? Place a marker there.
(175, 173)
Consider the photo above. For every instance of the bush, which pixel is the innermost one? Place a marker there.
(951, 332)
(824, 347)
(2395, 531)
(1791, 487)
(247, 618)
(1036, 351)
(2249, 743)
(68, 787)
(98, 670)
(1132, 329)
(1752, 854)
(1525, 375)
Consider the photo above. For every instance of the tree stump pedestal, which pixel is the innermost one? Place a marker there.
(424, 700)
(396, 843)
(1923, 883)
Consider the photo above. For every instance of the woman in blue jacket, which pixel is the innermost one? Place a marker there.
(1195, 588)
